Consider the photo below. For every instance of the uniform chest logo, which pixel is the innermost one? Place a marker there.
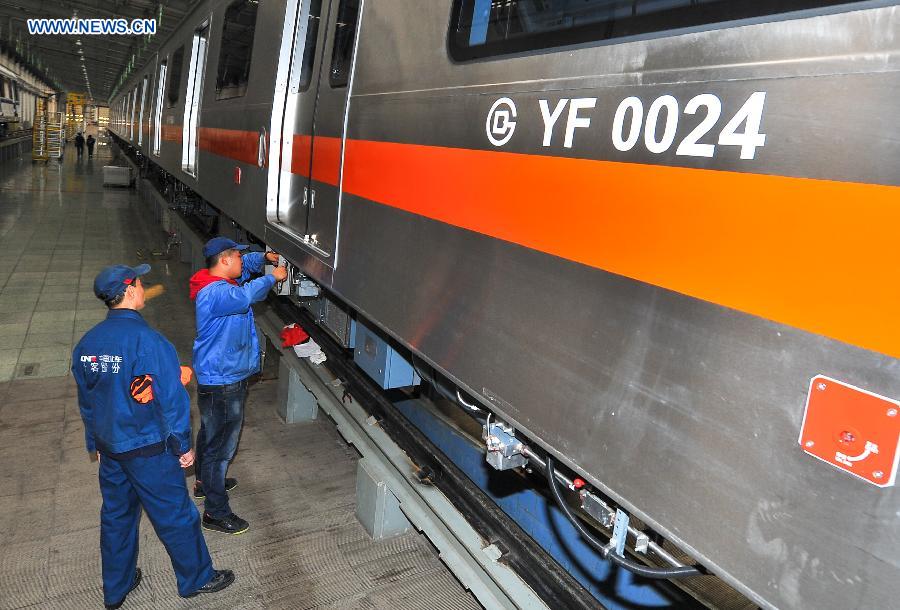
(104, 363)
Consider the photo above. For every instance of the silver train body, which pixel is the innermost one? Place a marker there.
(9, 101)
(637, 251)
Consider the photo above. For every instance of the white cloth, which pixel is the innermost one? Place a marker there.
(310, 349)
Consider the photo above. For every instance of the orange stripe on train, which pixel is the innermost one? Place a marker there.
(814, 254)
(321, 156)
(171, 133)
(232, 143)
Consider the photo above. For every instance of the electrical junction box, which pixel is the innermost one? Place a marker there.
(852, 429)
(380, 361)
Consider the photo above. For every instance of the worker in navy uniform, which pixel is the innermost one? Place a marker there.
(79, 144)
(226, 354)
(136, 416)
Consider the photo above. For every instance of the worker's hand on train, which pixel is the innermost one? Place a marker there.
(186, 459)
(280, 273)
(272, 257)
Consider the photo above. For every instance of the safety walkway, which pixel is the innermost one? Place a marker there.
(305, 548)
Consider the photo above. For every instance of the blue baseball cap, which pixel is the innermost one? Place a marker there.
(220, 244)
(112, 281)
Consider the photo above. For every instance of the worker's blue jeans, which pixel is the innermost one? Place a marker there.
(221, 417)
(157, 484)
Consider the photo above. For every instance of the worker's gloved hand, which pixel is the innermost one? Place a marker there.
(279, 273)
(186, 375)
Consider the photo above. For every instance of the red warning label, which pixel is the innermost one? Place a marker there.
(852, 429)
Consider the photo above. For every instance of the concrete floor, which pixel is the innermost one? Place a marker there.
(305, 548)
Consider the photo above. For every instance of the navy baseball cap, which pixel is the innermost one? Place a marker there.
(219, 244)
(112, 281)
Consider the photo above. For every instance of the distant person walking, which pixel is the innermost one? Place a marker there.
(79, 144)
(90, 146)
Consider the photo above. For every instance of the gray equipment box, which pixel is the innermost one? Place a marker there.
(116, 176)
(380, 361)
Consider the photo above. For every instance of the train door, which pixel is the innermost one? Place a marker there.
(191, 125)
(298, 112)
(156, 117)
(305, 180)
(329, 125)
(143, 104)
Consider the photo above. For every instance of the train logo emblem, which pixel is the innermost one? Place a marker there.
(501, 121)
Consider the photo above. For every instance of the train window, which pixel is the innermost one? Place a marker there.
(485, 28)
(236, 49)
(309, 49)
(175, 77)
(156, 118)
(344, 36)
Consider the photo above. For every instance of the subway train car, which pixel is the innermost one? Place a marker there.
(656, 238)
(9, 103)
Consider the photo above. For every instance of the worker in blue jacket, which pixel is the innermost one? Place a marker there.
(226, 354)
(136, 417)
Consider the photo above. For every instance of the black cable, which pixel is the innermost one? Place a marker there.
(606, 551)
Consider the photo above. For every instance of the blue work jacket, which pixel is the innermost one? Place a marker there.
(108, 358)
(226, 349)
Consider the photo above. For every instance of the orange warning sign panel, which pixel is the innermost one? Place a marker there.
(852, 429)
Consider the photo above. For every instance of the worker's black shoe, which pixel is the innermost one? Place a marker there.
(232, 524)
(200, 494)
(220, 580)
(134, 585)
